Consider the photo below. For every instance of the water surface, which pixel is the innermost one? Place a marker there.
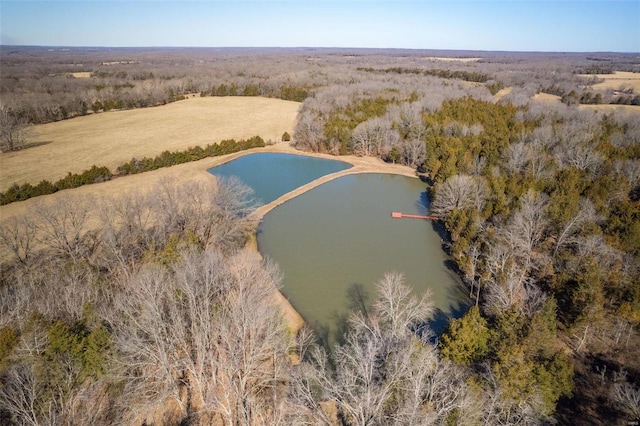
(272, 175)
(340, 235)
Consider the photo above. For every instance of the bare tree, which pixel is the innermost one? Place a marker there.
(20, 396)
(527, 225)
(309, 132)
(414, 153)
(88, 406)
(630, 169)
(513, 255)
(433, 390)
(472, 269)
(586, 213)
(582, 156)
(374, 137)
(144, 334)
(230, 218)
(498, 408)
(459, 192)
(12, 130)
(64, 225)
(577, 146)
(252, 344)
(206, 335)
(626, 396)
(128, 228)
(397, 309)
(506, 284)
(18, 235)
(516, 157)
(477, 166)
(408, 120)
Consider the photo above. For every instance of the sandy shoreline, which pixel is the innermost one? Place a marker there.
(197, 171)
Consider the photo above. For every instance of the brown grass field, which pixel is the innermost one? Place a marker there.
(625, 109)
(82, 74)
(113, 138)
(443, 59)
(619, 80)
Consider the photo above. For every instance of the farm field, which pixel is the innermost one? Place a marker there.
(617, 80)
(443, 59)
(624, 109)
(112, 138)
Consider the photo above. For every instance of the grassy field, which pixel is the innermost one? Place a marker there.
(82, 74)
(626, 109)
(619, 80)
(441, 59)
(112, 138)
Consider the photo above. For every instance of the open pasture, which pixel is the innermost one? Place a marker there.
(113, 138)
(619, 80)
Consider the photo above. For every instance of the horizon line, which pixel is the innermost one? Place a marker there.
(314, 47)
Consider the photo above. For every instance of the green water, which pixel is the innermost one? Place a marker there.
(341, 234)
(272, 175)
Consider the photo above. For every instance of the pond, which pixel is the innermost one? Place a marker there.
(272, 175)
(340, 237)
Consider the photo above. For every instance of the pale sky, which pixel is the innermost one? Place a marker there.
(538, 25)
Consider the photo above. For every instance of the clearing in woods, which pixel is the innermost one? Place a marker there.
(113, 138)
(624, 109)
(619, 80)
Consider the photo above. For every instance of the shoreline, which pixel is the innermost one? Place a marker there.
(360, 165)
(198, 171)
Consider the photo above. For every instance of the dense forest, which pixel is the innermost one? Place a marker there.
(158, 316)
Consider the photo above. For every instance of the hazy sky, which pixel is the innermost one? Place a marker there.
(539, 25)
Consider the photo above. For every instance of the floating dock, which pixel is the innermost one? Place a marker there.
(399, 215)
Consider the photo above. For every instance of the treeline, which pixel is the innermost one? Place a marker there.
(42, 86)
(287, 93)
(72, 180)
(168, 159)
(472, 76)
(597, 69)
(51, 88)
(475, 77)
(101, 174)
(585, 97)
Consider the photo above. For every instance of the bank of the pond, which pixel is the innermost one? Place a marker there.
(339, 239)
(360, 165)
(440, 276)
(197, 171)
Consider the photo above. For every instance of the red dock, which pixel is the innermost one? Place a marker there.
(399, 215)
